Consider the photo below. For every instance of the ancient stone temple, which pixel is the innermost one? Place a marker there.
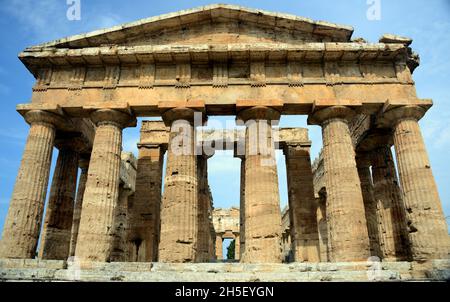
(154, 217)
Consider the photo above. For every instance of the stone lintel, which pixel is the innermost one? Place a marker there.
(324, 103)
(198, 105)
(211, 107)
(245, 104)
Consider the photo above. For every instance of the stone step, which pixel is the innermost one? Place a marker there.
(48, 270)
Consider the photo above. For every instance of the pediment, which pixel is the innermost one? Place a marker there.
(212, 24)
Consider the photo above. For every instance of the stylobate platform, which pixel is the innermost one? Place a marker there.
(55, 270)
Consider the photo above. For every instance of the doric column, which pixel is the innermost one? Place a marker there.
(119, 250)
(55, 241)
(203, 209)
(363, 163)
(322, 226)
(391, 211)
(145, 205)
(428, 233)
(303, 222)
(219, 247)
(347, 229)
(83, 163)
(212, 238)
(237, 248)
(101, 195)
(242, 208)
(23, 222)
(179, 208)
(262, 202)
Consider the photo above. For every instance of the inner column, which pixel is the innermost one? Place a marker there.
(262, 202)
(179, 208)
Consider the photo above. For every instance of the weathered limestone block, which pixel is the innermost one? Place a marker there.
(262, 201)
(363, 162)
(55, 241)
(102, 186)
(347, 228)
(393, 228)
(302, 206)
(428, 232)
(23, 222)
(83, 163)
(179, 208)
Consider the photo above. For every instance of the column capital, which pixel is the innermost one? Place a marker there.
(290, 147)
(114, 117)
(375, 139)
(149, 146)
(76, 144)
(391, 117)
(363, 159)
(45, 117)
(83, 163)
(181, 113)
(259, 113)
(333, 112)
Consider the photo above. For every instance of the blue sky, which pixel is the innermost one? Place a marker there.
(27, 22)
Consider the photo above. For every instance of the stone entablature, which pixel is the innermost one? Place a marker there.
(226, 220)
(295, 61)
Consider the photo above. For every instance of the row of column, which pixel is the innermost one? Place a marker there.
(97, 198)
(352, 191)
(349, 203)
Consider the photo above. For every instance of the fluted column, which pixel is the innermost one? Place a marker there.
(363, 162)
(55, 241)
(262, 222)
(428, 232)
(179, 208)
(393, 227)
(322, 226)
(119, 250)
(23, 221)
(83, 163)
(145, 205)
(212, 240)
(101, 195)
(237, 248)
(302, 205)
(219, 247)
(347, 229)
(203, 209)
(242, 208)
